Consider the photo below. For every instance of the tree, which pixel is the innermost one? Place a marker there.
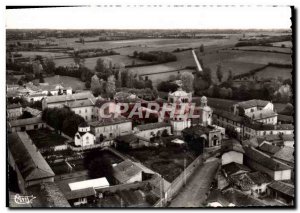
(103, 71)
(206, 75)
(219, 73)
(95, 85)
(230, 77)
(111, 86)
(37, 67)
(135, 54)
(49, 66)
(41, 78)
(187, 80)
(201, 49)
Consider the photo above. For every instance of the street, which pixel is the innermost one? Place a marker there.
(194, 193)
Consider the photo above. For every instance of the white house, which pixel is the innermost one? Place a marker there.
(83, 137)
(14, 111)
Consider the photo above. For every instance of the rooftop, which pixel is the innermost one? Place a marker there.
(199, 130)
(263, 159)
(234, 168)
(262, 114)
(259, 177)
(253, 103)
(269, 148)
(240, 199)
(131, 138)
(260, 126)
(286, 154)
(229, 115)
(28, 159)
(109, 121)
(32, 111)
(217, 196)
(94, 183)
(150, 126)
(13, 106)
(67, 98)
(81, 103)
(27, 121)
(282, 187)
(231, 145)
(125, 170)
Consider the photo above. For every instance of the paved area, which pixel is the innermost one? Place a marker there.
(194, 193)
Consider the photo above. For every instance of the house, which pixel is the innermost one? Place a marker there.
(247, 107)
(260, 181)
(211, 135)
(150, 130)
(84, 108)
(13, 111)
(232, 151)
(60, 101)
(39, 96)
(234, 168)
(84, 137)
(26, 124)
(126, 142)
(268, 148)
(282, 191)
(260, 161)
(32, 111)
(80, 197)
(27, 161)
(240, 199)
(110, 128)
(127, 172)
(264, 116)
(288, 140)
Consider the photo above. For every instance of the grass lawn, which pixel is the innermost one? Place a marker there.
(45, 138)
(167, 161)
(67, 81)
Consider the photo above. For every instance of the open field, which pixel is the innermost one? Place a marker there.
(287, 44)
(32, 54)
(67, 81)
(266, 49)
(274, 73)
(45, 138)
(169, 164)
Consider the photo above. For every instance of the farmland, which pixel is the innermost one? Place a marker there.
(274, 73)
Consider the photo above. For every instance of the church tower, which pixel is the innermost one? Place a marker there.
(206, 112)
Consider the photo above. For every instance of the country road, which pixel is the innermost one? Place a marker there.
(194, 193)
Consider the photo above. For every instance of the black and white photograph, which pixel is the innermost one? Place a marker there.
(150, 106)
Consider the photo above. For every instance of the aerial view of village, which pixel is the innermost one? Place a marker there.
(105, 118)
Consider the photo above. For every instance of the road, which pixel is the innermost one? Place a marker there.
(194, 193)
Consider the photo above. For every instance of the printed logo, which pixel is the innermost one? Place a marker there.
(24, 199)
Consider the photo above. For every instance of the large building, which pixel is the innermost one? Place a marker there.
(110, 128)
(84, 108)
(26, 124)
(27, 161)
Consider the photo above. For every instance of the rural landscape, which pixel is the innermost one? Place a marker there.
(238, 152)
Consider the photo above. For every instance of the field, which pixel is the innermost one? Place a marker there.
(67, 81)
(167, 161)
(285, 43)
(266, 49)
(274, 73)
(32, 54)
(45, 138)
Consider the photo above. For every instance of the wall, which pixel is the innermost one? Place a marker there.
(28, 127)
(86, 112)
(147, 133)
(232, 156)
(282, 175)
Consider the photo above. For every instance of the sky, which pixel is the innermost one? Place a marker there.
(92, 17)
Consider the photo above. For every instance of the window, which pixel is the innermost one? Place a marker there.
(85, 110)
(79, 111)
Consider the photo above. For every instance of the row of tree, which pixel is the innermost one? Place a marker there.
(155, 56)
(62, 120)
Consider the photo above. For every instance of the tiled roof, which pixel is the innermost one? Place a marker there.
(282, 187)
(233, 167)
(229, 115)
(269, 148)
(285, 154)
(286, 137)
(253, 103)
(108, 121)
(152, 126)
(27, 121)
(67, 98)
(13, 106)
(285, 118)
(81, 103)
(32, 111)
(231, 145)
(81, 193)
(125, 170)
(263, 159)
(28, 159)
(259, 177)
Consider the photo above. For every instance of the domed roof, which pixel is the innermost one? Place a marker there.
(179, 93)
(203, 99)
(83, 124)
